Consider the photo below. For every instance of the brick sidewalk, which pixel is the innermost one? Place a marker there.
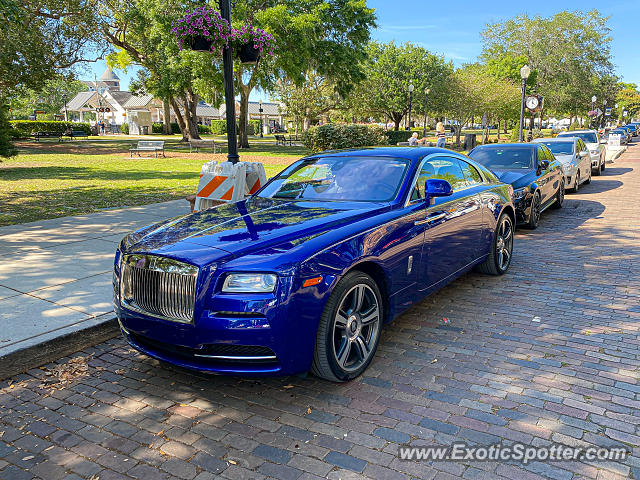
(548, 353)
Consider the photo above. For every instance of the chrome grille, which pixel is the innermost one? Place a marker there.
(159, 286)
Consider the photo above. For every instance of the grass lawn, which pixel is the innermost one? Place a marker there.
(49, 179)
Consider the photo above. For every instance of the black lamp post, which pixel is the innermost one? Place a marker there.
(260, 110)
(593, 108)
(426, 96)
(604, 109)
(524, 74)
(64, 99)
(230, 101)
(411, 87)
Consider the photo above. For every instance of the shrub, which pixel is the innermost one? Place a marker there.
(124, 128)
(204, 129)
(335, 136)
(395, 136)
(25, 128)
(6, 147)
(219, 127)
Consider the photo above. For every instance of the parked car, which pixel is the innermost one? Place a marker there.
(624, 135)
(633, 128)
(597, 149)
(573, 154)
(304, 273)
(629, 130)
(536, 176)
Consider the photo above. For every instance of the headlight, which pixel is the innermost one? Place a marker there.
(570, 168)
(520, 193)
(594, 152)
(250, 283)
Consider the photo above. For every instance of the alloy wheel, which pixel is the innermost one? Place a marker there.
(577, 183)
(535, 211)
(504, 243)
(356, 327)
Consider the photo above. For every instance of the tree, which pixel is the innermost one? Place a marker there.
(569, 51)
(475, 92)
(326, 36)
(309, 101)
(50, 97)
(6, 146)
(41, 38)
(628, 98)
(140, 32)
(390, 69)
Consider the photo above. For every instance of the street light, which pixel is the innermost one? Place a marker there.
(64, 99)
(593, 109)
(230, 99)
(411, 87)
(260, 110)
(525, 71)
(426, 96)
(604, 109)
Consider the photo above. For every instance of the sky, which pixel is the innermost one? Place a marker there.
(453, 29)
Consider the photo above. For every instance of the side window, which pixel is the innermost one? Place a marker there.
(444, 168)
(581, 146)
(471, 174)
(549, 154)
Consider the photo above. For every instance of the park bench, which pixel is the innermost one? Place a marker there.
(282, 140)
(197, 144)
(154, 146)
(39, 135)
(448, 136)
(77, 134)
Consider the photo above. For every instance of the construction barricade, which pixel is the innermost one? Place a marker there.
(228, 182)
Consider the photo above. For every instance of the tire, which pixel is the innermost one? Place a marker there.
(577, 187)
(560, 194)
(602, 167)
(343, 353)
(495, 263)
(588, 180)
(534, 216)
(596, 172)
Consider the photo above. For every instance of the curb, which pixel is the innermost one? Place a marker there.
(32, 357)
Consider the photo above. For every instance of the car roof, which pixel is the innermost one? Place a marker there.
(408, 153)
(568, 134)
(565, 138)
(507, 145)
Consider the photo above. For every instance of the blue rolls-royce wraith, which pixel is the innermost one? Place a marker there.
(302, 275)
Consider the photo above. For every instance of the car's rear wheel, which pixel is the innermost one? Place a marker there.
(560, 193)
(499, 259)
(603, 164)
(349, 329)
(596, 172)
(588, 180)
(534, 216)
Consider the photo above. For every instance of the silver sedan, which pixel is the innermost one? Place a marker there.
(574, 156)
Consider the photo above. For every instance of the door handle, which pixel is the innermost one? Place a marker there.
(431, 218)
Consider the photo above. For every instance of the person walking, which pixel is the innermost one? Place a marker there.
(441, 137)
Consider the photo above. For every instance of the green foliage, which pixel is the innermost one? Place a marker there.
(124, 128)
(395, 136)
(158, 128)
(390, 70)
(219, 127)
(25, 128)
(314, 97)
(48, 97)
(40, 38)
(337, 136)
(6, 146)
(203, 129)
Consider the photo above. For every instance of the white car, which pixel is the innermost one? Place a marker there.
(597, 148)
(574, 156)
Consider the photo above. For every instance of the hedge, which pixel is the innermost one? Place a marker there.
(26, 128)
(336, 136)
(157, 128)
(219, 127)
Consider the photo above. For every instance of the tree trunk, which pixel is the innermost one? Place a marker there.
(191, 103)
(166, 114)
(499, 121)
(458, 132)
(181, 123)
(396, 118)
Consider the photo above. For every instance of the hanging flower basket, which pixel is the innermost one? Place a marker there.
(202, 29)
(248, 54)
(252, 43)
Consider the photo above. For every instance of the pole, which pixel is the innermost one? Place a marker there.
(524, 86)
(66, 117)
(261, 127)
(410, 100)
(230, 101)
(424, 129)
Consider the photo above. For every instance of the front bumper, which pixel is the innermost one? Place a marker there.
(523, 209)
(236, 334)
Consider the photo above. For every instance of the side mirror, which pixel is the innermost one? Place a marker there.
(584, 153)
(434, 187)
(544, 164)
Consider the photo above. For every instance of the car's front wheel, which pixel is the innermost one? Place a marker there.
(534, 215)
(560, 193)
(577, 187)
(349, 329)
(499, 259)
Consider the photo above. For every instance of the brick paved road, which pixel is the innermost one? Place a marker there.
(572, 377)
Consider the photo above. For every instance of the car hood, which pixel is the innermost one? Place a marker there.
(592, 146)
(246, 227)
(564, 159)
(517, 178)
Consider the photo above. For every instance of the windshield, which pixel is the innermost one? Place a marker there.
(560, 148)
(587, 137)
(362, 179)
(508, 158)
